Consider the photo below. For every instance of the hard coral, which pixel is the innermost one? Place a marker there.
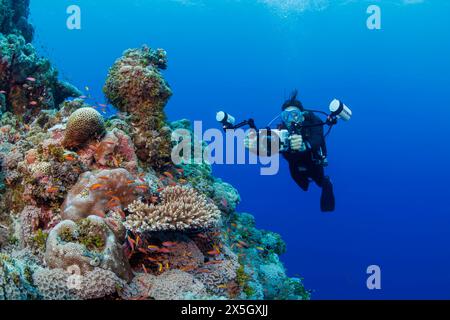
(114, 150)
(96, 193)
(86, 244)
(182, 208)
(175, 285)
(136, 86)
(83, 125)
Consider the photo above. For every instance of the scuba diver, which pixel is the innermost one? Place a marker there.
(301, 142)
(307, 155)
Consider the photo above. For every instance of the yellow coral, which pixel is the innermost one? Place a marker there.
(83, 125)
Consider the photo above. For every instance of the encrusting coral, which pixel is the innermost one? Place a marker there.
(94, 208)
(181, 208)
(86, 244)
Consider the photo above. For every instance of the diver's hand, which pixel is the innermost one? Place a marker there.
(250, 141)
(296, 142)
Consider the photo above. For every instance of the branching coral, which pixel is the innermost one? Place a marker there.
(83, 125)
(86, 244)
(182, 208)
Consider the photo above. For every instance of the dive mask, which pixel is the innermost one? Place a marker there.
(292, 116)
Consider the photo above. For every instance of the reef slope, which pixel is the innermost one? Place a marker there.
(94, 208)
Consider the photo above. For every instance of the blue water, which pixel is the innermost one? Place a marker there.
(389, 164)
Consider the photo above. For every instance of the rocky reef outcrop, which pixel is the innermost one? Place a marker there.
(28, 82)
(93, 208)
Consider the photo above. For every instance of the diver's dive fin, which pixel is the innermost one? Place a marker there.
(327, 201)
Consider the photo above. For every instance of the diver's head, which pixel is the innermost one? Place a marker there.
(292, 110)
(293, 102)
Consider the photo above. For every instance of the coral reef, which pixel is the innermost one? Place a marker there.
(14, 18)
(181, 208)
(93, 208)
(136, 87)
(28, 83)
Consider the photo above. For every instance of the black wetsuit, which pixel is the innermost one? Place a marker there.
(307, 165)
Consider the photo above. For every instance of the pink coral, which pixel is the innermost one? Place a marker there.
(96, 193)
(115, 150)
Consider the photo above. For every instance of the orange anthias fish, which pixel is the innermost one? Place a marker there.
(204, 271)
(96, 186)
(69, 157)
(169, 175)
(104, 178)
(131, 242)
(153, 248)
(244, 244)
(33, 103)
(169, 244)
(214, 252)
(52, 189)
(142, 187)
(142, 250)
(31, 79)
(224, 202)
(164, 250)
